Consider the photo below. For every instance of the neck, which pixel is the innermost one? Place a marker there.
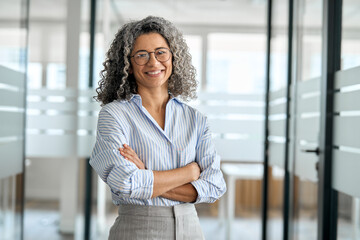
(155, 100)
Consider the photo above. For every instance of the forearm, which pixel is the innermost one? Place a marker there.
(184, 193)
(165, 181)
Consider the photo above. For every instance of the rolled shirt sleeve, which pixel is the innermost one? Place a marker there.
(122, 176)
(211, 184)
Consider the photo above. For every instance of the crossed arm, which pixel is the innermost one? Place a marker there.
(127, 180)
(171, 184)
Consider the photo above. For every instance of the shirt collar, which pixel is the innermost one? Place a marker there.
(136, 98)
(175, 98)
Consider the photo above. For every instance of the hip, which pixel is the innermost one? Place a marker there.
(140, 222)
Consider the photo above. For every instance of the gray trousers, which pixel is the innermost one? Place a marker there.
(137, 222)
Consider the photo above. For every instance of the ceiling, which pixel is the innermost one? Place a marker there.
(204, 12)
(199, 12)
(251, 13)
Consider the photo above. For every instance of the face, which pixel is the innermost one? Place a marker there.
(153, 74)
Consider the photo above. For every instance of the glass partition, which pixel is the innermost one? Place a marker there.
(346, 152)
(348, 224)
(350, 41)
(13, 54)
(305, 209)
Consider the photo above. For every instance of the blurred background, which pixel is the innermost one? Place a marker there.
(261, 67)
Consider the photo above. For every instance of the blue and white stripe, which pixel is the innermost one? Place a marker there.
(185, 138)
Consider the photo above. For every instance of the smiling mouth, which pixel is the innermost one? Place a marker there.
(154, 72)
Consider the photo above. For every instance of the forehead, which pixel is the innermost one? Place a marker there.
(149, 42)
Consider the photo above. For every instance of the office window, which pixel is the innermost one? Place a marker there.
(12, 47)
(195, 44)
(84, 55)
(56, 76)
(34, 76)
(236, 63)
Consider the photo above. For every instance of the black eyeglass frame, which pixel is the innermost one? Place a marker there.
(154, 55)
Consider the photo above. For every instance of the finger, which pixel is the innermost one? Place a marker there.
(131, 152)
(128, 153)
(125, 154)
(128, 148)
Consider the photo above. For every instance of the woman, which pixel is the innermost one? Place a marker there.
(154, 151)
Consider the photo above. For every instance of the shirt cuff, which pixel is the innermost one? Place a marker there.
(201, 198)
(142, 183)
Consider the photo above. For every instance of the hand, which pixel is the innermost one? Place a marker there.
(194, 171)
(129, 154)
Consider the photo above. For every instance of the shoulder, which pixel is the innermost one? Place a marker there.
(115, 115)
(191, 111)
(117, 110)
(115, 107)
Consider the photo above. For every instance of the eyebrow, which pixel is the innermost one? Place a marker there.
(143, 50)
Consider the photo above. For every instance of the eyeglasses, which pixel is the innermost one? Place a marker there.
(142, 57)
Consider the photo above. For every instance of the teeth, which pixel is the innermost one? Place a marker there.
(153, 73)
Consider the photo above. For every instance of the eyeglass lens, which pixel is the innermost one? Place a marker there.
(161, 54)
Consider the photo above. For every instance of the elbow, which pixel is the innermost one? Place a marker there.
(120, 188)
(215, 193)
(222, 191)
(219, 191)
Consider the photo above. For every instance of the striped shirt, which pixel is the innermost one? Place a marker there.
(186, 138)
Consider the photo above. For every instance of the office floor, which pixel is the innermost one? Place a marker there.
(41, 221)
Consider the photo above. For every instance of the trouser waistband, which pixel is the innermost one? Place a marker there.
(161, 211)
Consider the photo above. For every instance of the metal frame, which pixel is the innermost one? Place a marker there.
(286, 196)
(266, 142)
(327, 197)
(20, 179)
(88, 169)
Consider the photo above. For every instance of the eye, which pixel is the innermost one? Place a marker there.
(141, 55)
(161, 52)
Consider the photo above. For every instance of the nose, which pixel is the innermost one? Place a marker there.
(152, 59)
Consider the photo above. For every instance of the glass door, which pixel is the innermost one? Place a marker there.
(277, 119)
(304, 139)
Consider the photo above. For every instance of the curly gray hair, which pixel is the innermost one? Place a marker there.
(116, 81)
